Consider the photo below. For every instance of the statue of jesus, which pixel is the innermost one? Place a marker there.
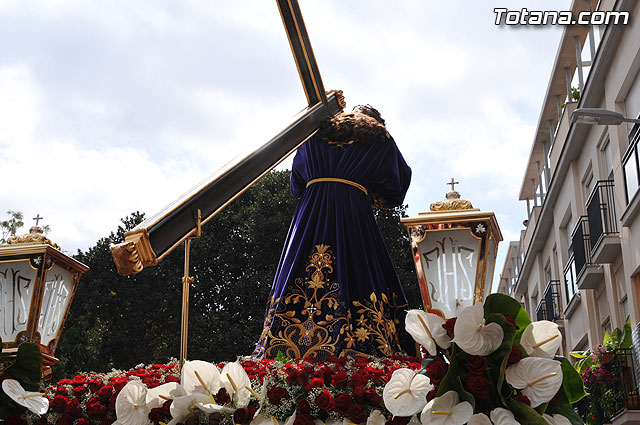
(336, 291)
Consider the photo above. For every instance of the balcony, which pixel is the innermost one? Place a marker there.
(603, 226)
(553, 310)
(626, 401)
(588, 275)
(541, 311)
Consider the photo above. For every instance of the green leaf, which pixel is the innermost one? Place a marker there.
(571, 381)
(583, 364)
(499, 358)
(607, 340)
(564, 408)
(580, 354)
(26, 369)
(525, 414)
(626, 335)
(503, 304)
(452, 381)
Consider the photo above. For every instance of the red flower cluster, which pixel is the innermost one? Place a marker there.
(310, 388)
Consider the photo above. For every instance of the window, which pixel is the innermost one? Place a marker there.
(606, 160)
(588, 182)
(630, 167)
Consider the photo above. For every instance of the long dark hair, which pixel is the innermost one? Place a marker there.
(364, 125)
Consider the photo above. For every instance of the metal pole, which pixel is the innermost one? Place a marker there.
(592, 41)
(567, 78)
(547, 176)
(186, 283)
(579, 64)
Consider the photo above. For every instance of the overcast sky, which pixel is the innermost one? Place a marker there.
(111, 107)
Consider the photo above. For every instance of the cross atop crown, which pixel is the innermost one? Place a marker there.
(452, 183)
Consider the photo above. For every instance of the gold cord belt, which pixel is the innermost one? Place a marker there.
(332, 179)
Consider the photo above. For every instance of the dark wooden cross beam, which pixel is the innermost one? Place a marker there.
(156, 237)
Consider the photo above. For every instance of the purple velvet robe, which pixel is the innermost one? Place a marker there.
(336, 291)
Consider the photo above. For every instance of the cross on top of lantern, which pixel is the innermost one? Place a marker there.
(37, 284)
(454, 247)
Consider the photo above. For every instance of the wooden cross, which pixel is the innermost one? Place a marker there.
(37, 218)
(156, 237)
(452, 183)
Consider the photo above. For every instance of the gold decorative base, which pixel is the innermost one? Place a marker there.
(134, 254)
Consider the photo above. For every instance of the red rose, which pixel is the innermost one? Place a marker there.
(373, 397)
(511, 321)
(314, 383)
(359, 393)
(245, 415)
(477, 364)
(303, 419)
(357, 380)
(157, 414)
(112, 402)
(358, 413)
(431, 395)
(65, 420)
(79, 391)
(107, 421)
(276, 395)
(478, 386)
(398, 420)
(59, 403)
(515, 356)
(339, 379)
(15, 419)
(436, 370)
(522, 399)
(303, 406)
(73, 408)
(341, 403)
(83, 421)
(324, 401)
(449, 325)
(222, 397)
(62, 391)
(96, 410)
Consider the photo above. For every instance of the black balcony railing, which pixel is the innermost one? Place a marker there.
(601, 212)
(552, 304)
(570, 279)
(630, 165)
(581, 244)
(541, 311)
(626, 389)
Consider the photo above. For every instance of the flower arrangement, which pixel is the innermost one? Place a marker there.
(490, 365)
(21, 376)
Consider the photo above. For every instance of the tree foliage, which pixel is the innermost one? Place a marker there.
(118, 321)
(10, 226)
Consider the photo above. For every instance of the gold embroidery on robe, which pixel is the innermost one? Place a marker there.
(295, 325)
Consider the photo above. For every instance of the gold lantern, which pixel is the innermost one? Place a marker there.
(454, 248)
(37, 284)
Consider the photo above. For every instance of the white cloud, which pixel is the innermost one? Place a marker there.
(97, 100)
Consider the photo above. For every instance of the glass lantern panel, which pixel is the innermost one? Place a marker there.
(450, 260)
(491, 264)
(56, 297)
(17, 280)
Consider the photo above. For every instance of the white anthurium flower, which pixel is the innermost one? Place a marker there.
(426, 329)
(406, 392)
(291, 419)
(214, 408)
(34, 401)
(181, 407)
(198, 376)
(447, 410)
(501, 416)
(157, 396)
(264, 420)
(541, 339)
(556, 419)
(376, 418)
(237, 383)
(473, 335)
(537, 377)
(131, 404)
(479, 419)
